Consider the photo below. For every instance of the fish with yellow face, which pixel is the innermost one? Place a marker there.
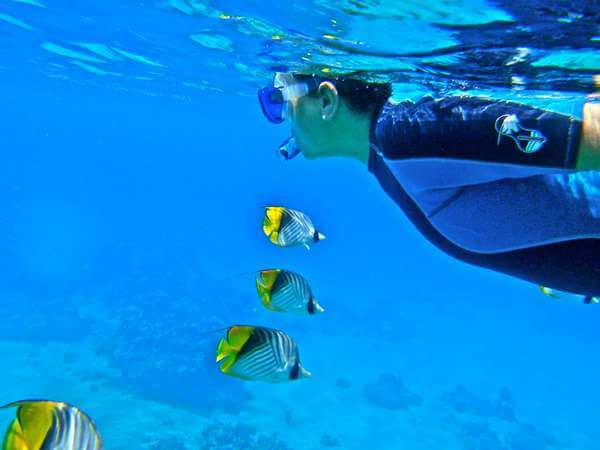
(49, 425)
(578, 298)
(289, 228)
(260, 354)
(286, 291)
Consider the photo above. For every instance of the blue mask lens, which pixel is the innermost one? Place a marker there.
(272, 103)
(288, 150)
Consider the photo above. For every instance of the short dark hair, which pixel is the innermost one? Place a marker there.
(361, 96)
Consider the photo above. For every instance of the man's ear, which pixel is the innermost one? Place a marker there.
(330, 100)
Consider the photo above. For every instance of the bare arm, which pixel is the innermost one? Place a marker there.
(589, 150)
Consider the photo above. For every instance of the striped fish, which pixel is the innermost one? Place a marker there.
(585, 299)
(258, 353)
(289, 228)
(48, 425)
(285, 291)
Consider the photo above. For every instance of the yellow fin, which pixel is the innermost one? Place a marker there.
(229, 347)
(14, 439)
(223, 349)
(272, 222)
(28, 431)
(264, 284)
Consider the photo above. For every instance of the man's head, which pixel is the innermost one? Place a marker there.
(327, 113)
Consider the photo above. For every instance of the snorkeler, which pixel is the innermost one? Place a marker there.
(494, 183)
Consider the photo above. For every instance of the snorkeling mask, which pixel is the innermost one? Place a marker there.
(275, 100)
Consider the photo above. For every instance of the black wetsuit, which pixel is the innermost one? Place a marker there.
(510, 144)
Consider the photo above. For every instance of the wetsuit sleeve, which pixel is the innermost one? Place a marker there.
(468, 140)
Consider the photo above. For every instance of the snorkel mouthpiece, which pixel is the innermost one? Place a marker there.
(288, 150)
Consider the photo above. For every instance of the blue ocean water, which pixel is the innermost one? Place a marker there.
(134, 164)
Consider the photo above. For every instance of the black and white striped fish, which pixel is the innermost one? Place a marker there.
(286, 291)
(259, 353)
(289, 228)
(49, 425)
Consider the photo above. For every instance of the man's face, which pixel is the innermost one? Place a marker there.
(309, 128)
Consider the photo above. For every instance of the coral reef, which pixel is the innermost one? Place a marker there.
(329, 441)
(505, 396)
(528, 437)
(160, 338)
(220, 436)
(481, 436)
(168, 443)
(463, 400)
(27, 318)
(390, 392)
(162, 354)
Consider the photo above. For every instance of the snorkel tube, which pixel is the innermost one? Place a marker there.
(288, 149)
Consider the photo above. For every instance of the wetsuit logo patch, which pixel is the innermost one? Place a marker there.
(527, 139)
